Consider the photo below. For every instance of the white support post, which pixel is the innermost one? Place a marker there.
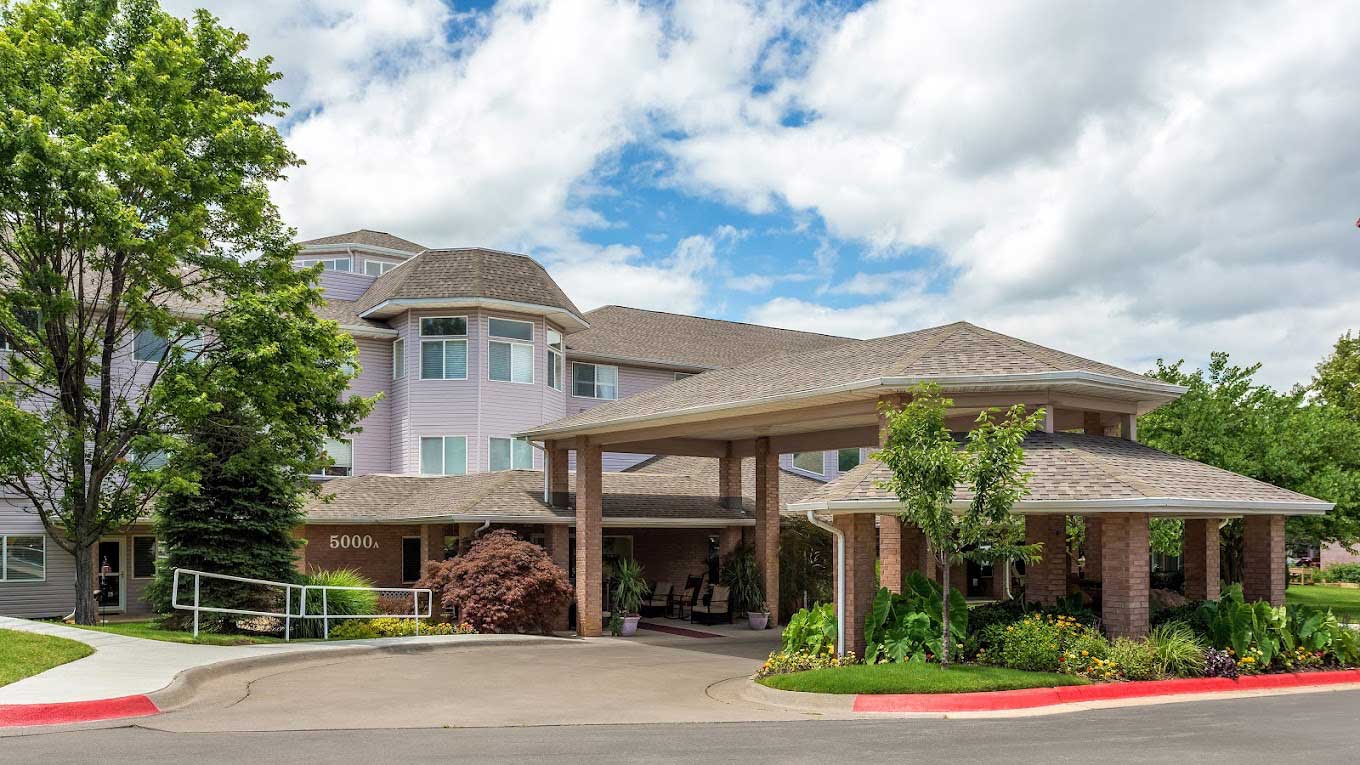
(196, 606)
(325, 617)
(288, 611)
(415, 609)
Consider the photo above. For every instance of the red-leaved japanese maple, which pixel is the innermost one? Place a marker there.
(502, 584)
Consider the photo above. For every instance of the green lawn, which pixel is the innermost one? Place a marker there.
(148, 630)
(1342, 600)
(916, 678)
(24, 654)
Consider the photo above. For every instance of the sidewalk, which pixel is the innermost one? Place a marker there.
(124, 670)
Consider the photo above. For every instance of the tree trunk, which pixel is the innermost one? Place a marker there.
(87, 610)
(944, 610)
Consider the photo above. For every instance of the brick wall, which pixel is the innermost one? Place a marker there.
(1199, 551)
(860, 582)
(1046, 579)
(1124, 575)
(890, 553)
(380, 562)
(669, 555)
(1263, 577)
(1093, 563)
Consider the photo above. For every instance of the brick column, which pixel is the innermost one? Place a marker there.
(860, 584)
(1046, 579)
(767, 523)
(729, 482)
(589, 519)
(559, 485)
(557, 538)
(958, 578)
(890, 551)
(1124, 575)
(1199, 551)
(1000, 571)
(1264, 574)
(729, 538)
(1093, 548)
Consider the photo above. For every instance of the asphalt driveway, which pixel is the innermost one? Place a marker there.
(646, 679)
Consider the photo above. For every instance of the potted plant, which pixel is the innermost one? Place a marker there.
(629, 589)
(742, 576)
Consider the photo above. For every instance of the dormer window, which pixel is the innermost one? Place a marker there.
(328, 264)
(377, 267)
(443, 348)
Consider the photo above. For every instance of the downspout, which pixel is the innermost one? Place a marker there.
(478, 531)
(840, 577)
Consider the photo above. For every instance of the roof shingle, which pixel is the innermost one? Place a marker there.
(368, 237)
(468, 273)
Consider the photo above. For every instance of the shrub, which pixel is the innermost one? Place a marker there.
(909, 625)
(1039, 643)
(502, 584)
(1086, 654)
(354, 629)
(812, 630)
(1134, 659)
(1188, 614)
(785, 662)
(1219, 664)
(1340, 572)
(336, 602)
(1178, 649)
(741, 573)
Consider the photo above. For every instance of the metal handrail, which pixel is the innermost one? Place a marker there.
(287, 615)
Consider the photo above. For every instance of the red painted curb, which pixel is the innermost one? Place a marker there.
(12, 715)
(1028, 698)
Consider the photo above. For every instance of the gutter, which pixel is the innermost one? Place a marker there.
(840, 578)
(1171, 505)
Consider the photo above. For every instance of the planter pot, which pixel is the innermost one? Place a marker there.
(630, 625)
(758, 621)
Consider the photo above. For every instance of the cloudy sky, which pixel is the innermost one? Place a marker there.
(1114, 179)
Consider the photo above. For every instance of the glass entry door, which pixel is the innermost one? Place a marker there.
(108, 575)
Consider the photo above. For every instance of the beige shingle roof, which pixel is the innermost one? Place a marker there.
(372, 238)
(953, 350)
(343, 312)
(1072, 467)
(517, 495)
(619, 332)
(468, 273)
(792, 487)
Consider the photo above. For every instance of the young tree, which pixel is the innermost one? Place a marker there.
(135, 155)
(928, 465)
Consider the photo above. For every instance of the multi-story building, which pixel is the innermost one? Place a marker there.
(466, 346)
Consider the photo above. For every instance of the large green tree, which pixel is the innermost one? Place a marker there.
(927, 465)
(1291, 439)
(136, 149)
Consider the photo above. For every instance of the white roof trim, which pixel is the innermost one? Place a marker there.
(1152, 505)
(561, 315)
(372, 248)
(534, 520)
(1154, 389)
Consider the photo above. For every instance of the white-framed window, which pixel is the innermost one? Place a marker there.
(398, 358)
(511, 351)
(410, 559)
(144, 556)
(443, 348)
(811, 462)
(594, 381)
(511, 454)
(555, 359)
(341, 453)
(23, 558)
(329, 264)
(149, 346)
(377, 267)
(28, 319)
(443, 455)
(847, 459)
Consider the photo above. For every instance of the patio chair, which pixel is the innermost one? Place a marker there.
(715, 608)
(659, 604)
(694, 587)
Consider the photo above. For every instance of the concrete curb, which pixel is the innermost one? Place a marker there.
(1040, 701)
(182, 689)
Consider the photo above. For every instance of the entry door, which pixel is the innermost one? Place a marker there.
(108, 575)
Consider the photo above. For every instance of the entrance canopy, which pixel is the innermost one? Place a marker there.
(1078, 474)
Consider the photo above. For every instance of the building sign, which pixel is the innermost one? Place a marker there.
(353, 542)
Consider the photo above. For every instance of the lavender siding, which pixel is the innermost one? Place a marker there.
(53, 597)
(373, 444)
(632, 381)
(339, 285)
